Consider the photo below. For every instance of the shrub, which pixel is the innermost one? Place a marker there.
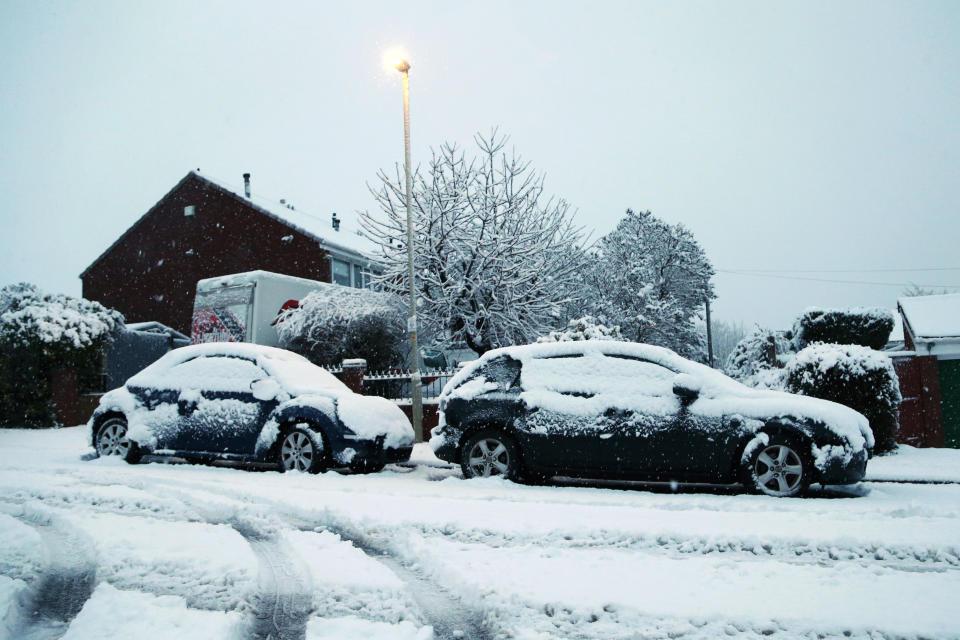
(39, 334)
(855, 376)
(865, 326)
(332, 324)
(758, 359)
(585, 328)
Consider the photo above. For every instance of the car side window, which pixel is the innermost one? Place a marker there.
(216, 373)
(645, 377)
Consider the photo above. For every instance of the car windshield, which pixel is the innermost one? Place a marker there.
(502, 371)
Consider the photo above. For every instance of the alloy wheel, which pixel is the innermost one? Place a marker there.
(112, 439)
(488, 457)
(297, 452)
(778, 471)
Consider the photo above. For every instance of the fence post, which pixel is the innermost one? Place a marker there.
(353, 372)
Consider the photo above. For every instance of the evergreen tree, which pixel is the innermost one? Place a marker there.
(652, 279)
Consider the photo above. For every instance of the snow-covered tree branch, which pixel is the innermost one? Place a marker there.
(493, 257)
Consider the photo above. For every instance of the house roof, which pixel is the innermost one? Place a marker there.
(346, 243)
(931, 317)
(347, 239)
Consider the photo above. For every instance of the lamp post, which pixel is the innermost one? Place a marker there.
(417, 409)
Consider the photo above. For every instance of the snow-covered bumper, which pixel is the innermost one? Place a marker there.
(444, 446)
(840, 465)
(376, 451)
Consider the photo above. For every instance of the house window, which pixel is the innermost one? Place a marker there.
(340, 272)
(357, 276)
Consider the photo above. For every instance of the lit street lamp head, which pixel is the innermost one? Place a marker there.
(401, 65)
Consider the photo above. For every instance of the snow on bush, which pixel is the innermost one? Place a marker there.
(39, 334)
(585, 328)
(865, 326)
(333, 324)
(855, 376)
(758, 360)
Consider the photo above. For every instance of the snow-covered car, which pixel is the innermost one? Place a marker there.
(249, 403)
(606, 409)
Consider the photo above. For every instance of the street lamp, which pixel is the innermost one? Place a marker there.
(403, 67)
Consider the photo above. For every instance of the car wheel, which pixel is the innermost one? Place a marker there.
(112, 440)
(301, 450)
(779, 469)
(490, 453)
(365, 466)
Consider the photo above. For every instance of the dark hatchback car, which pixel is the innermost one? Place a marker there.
(249, 403)
(618, 410)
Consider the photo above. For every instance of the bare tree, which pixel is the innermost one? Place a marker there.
(493, 259)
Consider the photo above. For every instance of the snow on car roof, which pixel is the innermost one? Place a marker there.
(659, 355)
(295, 373)
(320, 227)
(933, 316)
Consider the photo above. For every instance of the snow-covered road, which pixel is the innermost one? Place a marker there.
(100, 549)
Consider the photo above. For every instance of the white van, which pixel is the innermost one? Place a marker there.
(243, 307)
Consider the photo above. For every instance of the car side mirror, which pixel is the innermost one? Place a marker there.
(265, 389)
(686, 388)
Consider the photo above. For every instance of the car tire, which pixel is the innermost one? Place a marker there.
(111, 440)
(366, 466)
(490, 452)
(302, 450)
(778, 468)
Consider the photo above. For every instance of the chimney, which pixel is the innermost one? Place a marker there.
(246, 184)
(336, 221)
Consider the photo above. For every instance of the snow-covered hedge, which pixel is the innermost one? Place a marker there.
(39, 334)
(336, 323)
(865, 326)
(585, 328)
(855, 376)
(758, 359)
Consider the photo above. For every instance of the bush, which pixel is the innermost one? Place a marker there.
(39, 334)
(585, 328)
(855, 376)
(333, 324)
(758, 359)
(865, 326)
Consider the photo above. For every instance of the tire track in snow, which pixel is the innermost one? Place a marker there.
(68, 579)
(275, 610)
(445, 611)
(283, 602)
(900, 558)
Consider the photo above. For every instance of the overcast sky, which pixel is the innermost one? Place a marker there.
(794, 138)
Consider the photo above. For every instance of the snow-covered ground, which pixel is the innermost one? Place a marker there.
(96, 548)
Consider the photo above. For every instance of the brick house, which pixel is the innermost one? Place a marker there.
(204, 228)
(928, 367)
